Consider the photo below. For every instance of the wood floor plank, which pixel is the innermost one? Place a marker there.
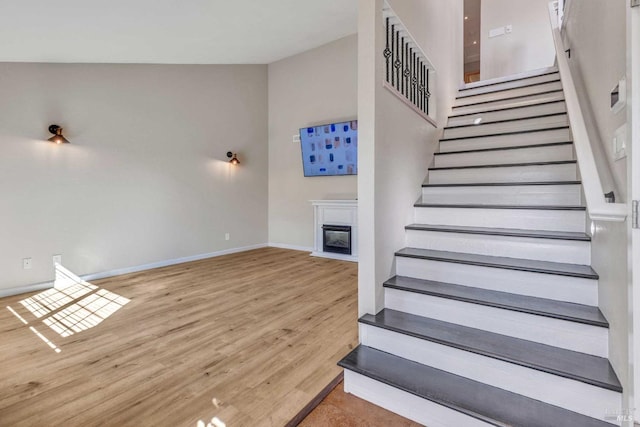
(249, 338)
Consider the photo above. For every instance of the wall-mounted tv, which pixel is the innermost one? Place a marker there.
(330, 149)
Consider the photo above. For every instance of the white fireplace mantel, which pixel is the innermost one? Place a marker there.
(335, 212)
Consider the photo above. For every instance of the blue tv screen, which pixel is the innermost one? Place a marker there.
(330, 149)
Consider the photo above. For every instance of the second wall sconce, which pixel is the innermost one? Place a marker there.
(234, 158)
(57, 137)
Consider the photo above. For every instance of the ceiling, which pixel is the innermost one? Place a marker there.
(169, 31)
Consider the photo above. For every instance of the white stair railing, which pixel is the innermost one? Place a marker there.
(599, 209)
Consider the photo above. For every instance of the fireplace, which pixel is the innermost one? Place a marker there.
(336, 239)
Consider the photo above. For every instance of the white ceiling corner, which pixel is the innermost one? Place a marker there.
(169, 31)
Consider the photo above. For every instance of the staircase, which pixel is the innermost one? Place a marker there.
(493, 319)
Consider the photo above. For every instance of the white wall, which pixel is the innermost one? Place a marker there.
(395, 144)
(528, 47)
(598, 61)
(145, 178)
(315, 87)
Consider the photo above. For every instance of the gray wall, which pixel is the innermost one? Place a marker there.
(315, 87)
(528, 47)
(145, 178)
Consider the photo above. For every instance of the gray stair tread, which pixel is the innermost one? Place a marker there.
(490, 404)
(505, 99)
(503, 184)
(541, 234)
(516, 147)
(586, 368)
(516, 132)
(515, 119)
(489, 206)
(508, 79)
(494, 110)
(579, 313)
(496, 91)
(562, 269)
(507, 165)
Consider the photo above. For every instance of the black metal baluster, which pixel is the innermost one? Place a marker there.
(427, 93)
(421, 86)
(419, 96)
(387, 53)
(410, 79)
(398, 64)
(414, 78)
(402, 66)
(393, 41)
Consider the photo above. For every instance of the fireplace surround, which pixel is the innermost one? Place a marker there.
(339, 214)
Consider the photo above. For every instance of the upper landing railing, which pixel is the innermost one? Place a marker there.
(408, 73)
(599, 209)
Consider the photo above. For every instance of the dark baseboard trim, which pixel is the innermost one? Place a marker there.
(304, 412)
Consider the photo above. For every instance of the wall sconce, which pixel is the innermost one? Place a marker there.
(57, 137)
(234, 158)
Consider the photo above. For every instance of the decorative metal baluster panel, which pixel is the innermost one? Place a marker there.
(406, 67)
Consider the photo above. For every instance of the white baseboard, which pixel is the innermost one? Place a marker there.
(25, 289)
(291, 247)
(134, 269)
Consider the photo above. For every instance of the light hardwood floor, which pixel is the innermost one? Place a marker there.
(248, 338)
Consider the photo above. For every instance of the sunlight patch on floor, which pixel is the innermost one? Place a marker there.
(73, 305)
(43, 338)
(17, 315)
(85, 314)
(215, 422)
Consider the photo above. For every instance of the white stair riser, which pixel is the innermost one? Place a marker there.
(406, 404)
(509, 103)
(558, 195)
(512, 126)
(552, 389)
(509, 85)
(550, 286)
(555, 332)
(516, 113)
(510, 78)
(527, 219)
(507, 94)
(533, 173)
(502, 141)
(554, 153)
(553, 250)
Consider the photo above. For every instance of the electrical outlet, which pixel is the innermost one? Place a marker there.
(226, 236)
(27, 263)
(619, 147)
(57, 259)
